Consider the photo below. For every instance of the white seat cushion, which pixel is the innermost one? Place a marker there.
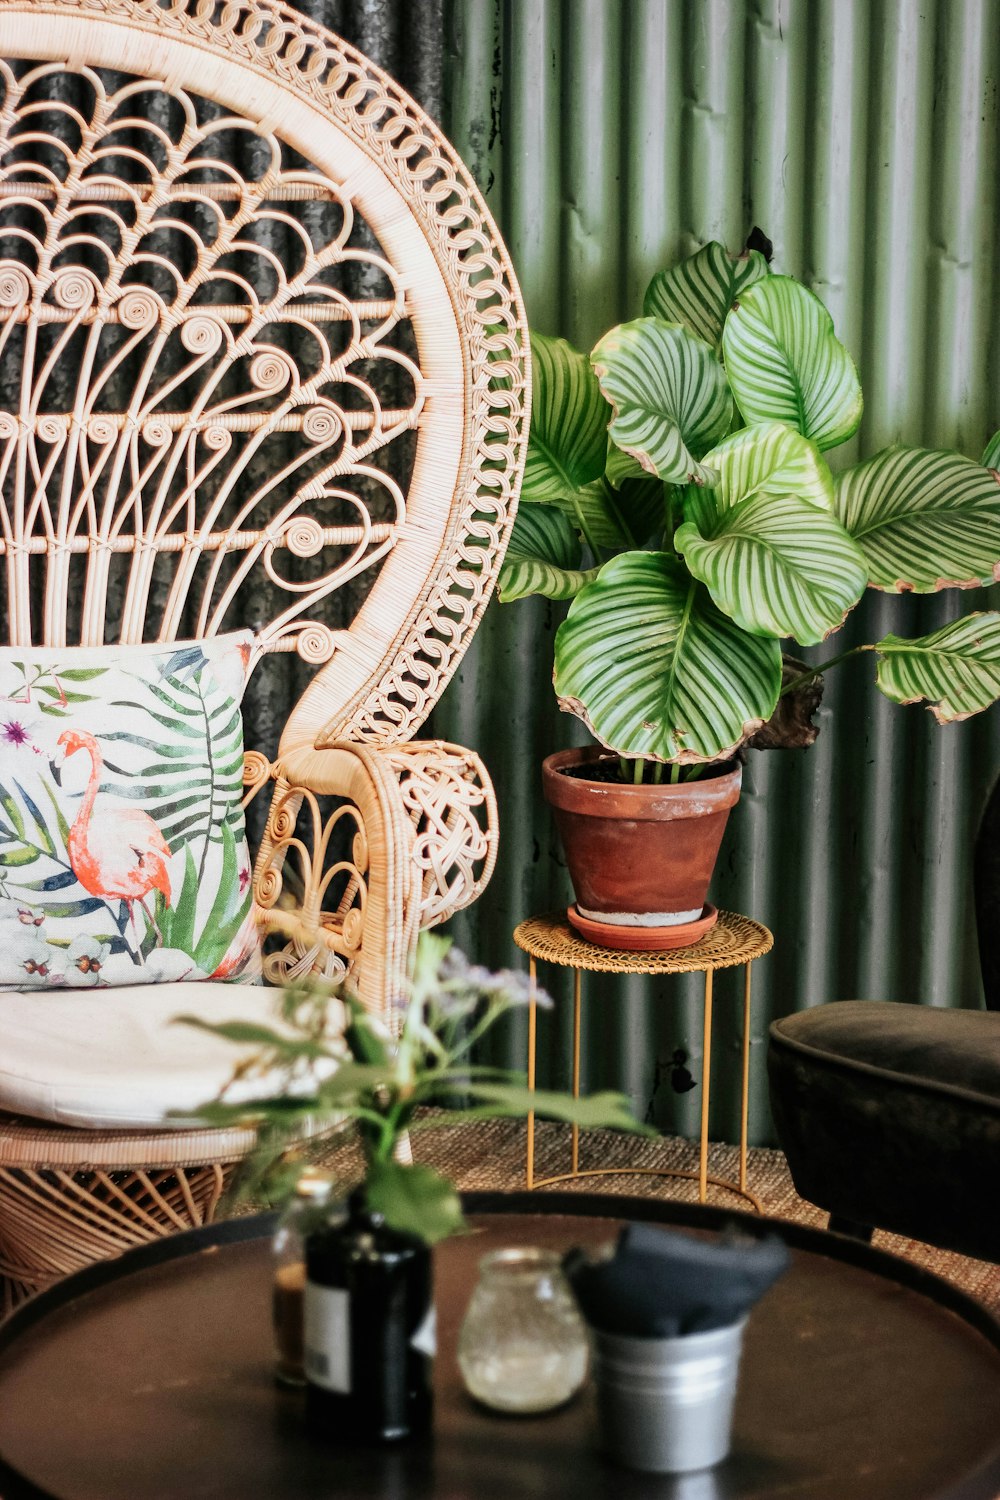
(111, 1059)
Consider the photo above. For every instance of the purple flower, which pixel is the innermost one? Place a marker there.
(465, 985)
(15, 733)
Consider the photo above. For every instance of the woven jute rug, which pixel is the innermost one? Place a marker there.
(490, 1154)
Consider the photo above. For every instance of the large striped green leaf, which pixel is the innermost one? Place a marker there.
(543, 556)
(700, 290)
(669, 396)
(567, 440)
(991, 455)
(925, 519)
(655, 670)
(774, 459)
(786, 364)
(957, 667)
(764, 541)
(777, 565)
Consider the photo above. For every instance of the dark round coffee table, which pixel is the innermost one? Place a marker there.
(149, 1378)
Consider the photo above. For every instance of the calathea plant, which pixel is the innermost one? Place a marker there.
(677, 492)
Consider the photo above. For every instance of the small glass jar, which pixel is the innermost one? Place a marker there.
(523, 1346)
(307, 1203)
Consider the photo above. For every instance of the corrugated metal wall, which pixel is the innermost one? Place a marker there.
(615, 136)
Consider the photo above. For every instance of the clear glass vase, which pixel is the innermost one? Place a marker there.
(523, 1346)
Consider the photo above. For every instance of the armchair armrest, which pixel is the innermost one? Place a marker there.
(364, 846)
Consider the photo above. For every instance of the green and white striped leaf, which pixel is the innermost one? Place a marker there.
(925, 519)
(786, 364)
(669, 397)
(700, 290)
(991, 454)
(957, 668)
(778, 566)
(770, 458)
(621, 466)
(646, 660)
(543, 556)
(568, 437)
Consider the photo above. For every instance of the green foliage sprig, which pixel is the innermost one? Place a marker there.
(321, 1074)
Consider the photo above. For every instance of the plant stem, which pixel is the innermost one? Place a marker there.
(820, 668)
(668, 518)
(637, 770)
(585, 531)
(675, 773)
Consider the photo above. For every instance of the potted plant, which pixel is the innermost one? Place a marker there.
(368, 1302)
(678, 494)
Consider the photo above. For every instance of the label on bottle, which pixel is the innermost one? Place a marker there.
(326, 1327)
(425, 1338)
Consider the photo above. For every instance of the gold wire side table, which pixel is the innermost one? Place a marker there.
(732, 941)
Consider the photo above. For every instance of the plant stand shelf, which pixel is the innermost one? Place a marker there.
(732, 941)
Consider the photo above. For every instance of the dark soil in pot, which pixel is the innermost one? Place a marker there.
(608, 769)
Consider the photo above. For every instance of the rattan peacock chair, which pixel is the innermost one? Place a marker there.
(381, 354)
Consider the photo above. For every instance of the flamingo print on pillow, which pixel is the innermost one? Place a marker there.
(113, 851)
(123, 854)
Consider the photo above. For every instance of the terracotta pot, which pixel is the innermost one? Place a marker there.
(639, 856)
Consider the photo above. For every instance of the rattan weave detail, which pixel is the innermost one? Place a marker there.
(734, 939)
(151, 485)
(26, 1142)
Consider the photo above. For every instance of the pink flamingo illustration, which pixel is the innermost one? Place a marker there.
(119, 852)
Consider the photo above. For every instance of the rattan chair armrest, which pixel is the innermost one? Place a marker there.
(364, 846)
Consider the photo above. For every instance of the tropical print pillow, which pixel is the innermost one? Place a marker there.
(123, 853)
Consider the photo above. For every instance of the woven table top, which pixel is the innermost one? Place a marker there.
(733, 940)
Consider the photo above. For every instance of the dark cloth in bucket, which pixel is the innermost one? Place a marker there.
(662, 1284)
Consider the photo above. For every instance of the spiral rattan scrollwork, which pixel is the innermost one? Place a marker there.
(312, 370)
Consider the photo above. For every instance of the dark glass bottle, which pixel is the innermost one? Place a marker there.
(369, 1330)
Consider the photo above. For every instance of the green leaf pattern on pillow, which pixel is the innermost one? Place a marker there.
(123, 854)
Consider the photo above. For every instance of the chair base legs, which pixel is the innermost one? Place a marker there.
(55, 1221)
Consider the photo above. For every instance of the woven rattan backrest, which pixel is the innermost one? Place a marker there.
(264, 329)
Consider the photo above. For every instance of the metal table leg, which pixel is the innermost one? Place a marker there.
(745, 1094)
(532, 1028)
(702, 1176)
(576, 1067)
(706, 1074)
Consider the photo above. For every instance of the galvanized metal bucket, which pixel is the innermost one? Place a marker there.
(666, 1405)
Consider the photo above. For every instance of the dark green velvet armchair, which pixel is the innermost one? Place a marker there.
(889, 1113)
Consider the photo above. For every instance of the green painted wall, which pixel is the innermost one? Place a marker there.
(614, 136)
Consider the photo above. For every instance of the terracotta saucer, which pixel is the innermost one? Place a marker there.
(644, 939)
